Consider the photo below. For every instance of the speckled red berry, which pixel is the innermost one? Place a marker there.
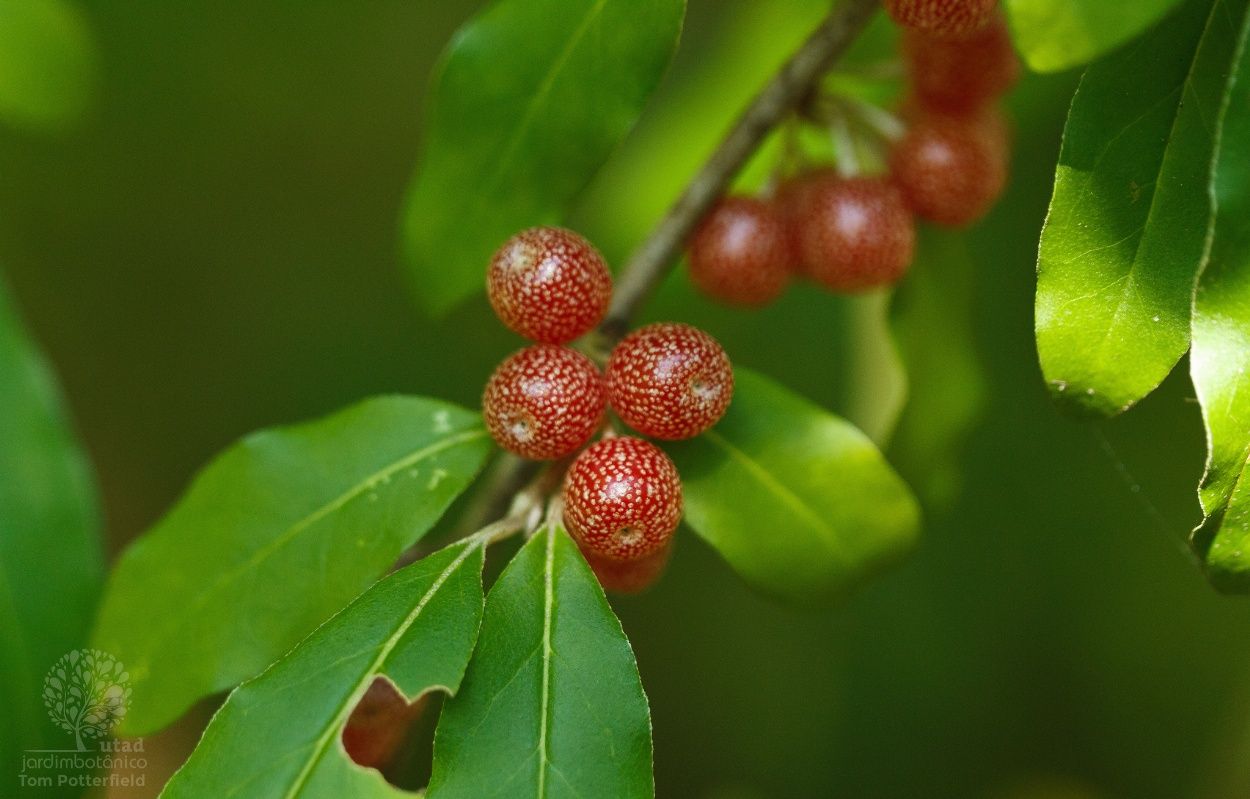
(622, 499)
(987, 123)
(544, 402)
(949, 173)
(959, 77)
(549, 284)
(669, 380)
(740, 253)
(854, 234)
(952, 19)
(792, 197)
(629, 576)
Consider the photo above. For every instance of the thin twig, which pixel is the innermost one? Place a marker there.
(513, 497)
(878, 120)
(844, 148)
(655, 256)
(508, 475)
(498, 530)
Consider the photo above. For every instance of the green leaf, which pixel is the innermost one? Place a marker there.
(531, 98)
(873, 367)
(1128, 221)
(47, 63)
(552, 706)
(280, 734)
(1054, 35)
(50, 560)
(946, 388)
(275, 535)
(798, 501)
(1220, 359)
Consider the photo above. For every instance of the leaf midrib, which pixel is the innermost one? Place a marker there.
(323, 741)
(830, 536)
(544, 754)
(304, 523)
(1185, 88)
(537, 101)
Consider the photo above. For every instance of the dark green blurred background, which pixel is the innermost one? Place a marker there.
(214, 249)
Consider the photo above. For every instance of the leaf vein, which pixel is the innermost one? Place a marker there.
(548, 609)
(787, 497)
(321, 745)
(292, 532)
(532, 111)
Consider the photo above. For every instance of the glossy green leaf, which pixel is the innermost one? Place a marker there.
(1128, 221)
(530, 100)
(276, 534)
(1053, 35)
(946, 388)
(1220, 359)
(798, 501)
(50, 561)
(552, 706)
(47, 63)
(280, 734)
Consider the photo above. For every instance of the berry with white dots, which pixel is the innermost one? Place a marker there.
(669, 380)
(961, 77)
(549, 284)
(854, 233)
(952, 19)
(544, 402)
(950, 172)
(794, 195)
(740, 252)
(622, 499)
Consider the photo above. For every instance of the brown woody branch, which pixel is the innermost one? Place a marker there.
(796, 79)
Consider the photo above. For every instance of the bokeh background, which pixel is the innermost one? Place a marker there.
(213, 247)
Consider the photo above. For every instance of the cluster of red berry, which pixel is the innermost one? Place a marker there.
(850, 233)
(622, 495)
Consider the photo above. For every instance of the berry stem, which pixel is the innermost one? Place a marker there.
(514, 496)
(658, 252)
(553, 516)
(844, 149)
(878, 120)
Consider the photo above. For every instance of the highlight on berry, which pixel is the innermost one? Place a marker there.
(843, 218)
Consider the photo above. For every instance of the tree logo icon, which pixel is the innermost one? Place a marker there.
(87, 692)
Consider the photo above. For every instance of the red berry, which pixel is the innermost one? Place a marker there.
(544, 402)
(622, 499)
(739, 254)
(793, 195)
(629, 576)
(669, 380)
(988, 123)
(549, 284)
(854, 233)
(947, 18)
(379, 724)
(949, 173)
(959, 77)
